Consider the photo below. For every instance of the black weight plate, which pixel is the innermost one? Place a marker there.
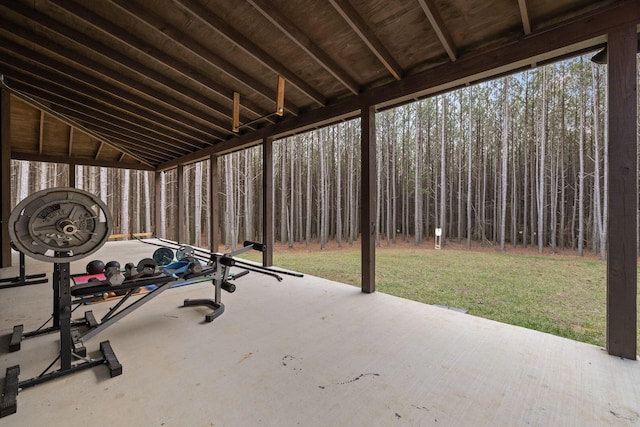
(163, 256)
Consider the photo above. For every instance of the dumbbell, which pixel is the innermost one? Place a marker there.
(146, 266)
(95, 267)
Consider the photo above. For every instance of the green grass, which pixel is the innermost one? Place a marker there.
(561, 295)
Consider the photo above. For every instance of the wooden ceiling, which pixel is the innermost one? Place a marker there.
(150, 84)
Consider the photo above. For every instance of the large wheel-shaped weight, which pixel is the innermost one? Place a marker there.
(60, 225)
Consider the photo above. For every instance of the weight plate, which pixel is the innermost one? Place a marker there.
(60, 224)
(163, 256)
(183, 252)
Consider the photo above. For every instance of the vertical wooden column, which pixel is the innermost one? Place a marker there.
(622, 286)
(267, 201)
(157, 196)
(214, 209)
(72, 175)
(368, 191)
(5, 178)
(180, 224)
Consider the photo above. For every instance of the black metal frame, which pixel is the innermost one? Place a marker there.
(23, 279)
(68, 351)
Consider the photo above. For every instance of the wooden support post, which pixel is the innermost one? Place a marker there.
(622, 286)
(267, 201)
(280, 96)
(180, 224)
(5, 178)
(214, 218)
(71, 179)
(235, 126)
(367, 213)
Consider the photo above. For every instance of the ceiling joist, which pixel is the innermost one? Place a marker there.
(358, 25)
(296, 35)
(156, 80)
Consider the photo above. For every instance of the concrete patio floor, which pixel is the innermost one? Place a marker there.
(310, 352)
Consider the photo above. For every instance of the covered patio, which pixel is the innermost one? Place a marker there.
(142, 85)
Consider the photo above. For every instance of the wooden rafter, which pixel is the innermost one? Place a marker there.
(366, 35)
(66, 120)
(155, 55)
(439, 27)
(71, 128)
(108, 95)
(122, 132)
(300, 38)
(524, 14)
(117, 164)
(115, 140)
(97, 156)
(539, 46)
(215, 23)
(59, 67)
(155, 23)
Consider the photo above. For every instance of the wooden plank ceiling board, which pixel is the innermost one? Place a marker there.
(153, 82)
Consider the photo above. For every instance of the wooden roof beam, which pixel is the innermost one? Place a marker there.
(429, 8)
(77, 102)
(301, 39)
(162, 27)
(83, 60)
(154, 54)
(120, 133)
(117, 164)
(106, 94)
(524, 14)
(217, 24)
(76, 107)
(69, 122)
(546, 44)
(358, 25)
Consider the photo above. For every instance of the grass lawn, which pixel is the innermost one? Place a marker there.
(561, 295)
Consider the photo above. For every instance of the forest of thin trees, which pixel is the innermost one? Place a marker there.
(517, 161)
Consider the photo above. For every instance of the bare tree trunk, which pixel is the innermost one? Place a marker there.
(378, 198)
(197, 199)
(553, 196)
(387, 180)
(469, 157)
(505, 152)
(541, 181)
(283, 191)
(338, 157)
(290, 227)
(417, 179)
(562, 164)
(231, 239)
(124, 214)
(460, 155)
(393, 195)
(605, 187)
(323, 197)
(581, 171)
(162, 229)
(596, 164)
(309, 195)
(443, 173)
